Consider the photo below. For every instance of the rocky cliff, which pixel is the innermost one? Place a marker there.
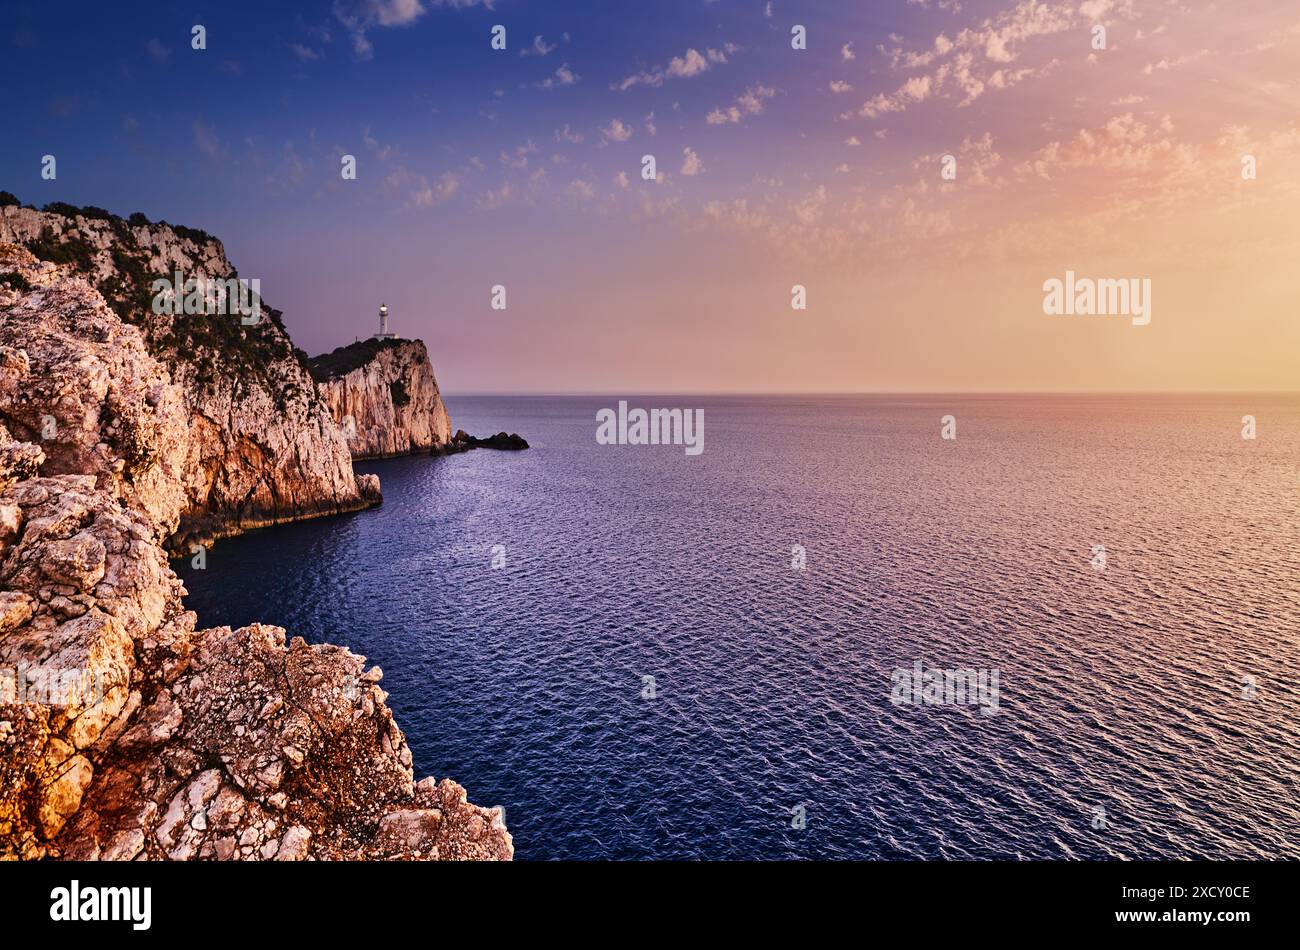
(261, 446)
(383, 396)
(124, 731)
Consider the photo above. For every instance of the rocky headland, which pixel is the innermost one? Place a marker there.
(383, 397)
(262, 447)
(125, 732)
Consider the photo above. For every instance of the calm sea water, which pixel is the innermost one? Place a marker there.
(1164, 689)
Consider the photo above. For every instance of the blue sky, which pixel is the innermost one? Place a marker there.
(478, 167)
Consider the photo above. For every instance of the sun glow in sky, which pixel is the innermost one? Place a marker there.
(777, 167)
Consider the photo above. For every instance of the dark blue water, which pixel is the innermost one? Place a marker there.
(1161, 689)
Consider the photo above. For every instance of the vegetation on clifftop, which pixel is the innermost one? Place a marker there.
(345, 359)
(215, 345)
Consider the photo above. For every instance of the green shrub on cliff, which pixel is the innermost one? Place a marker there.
(63, 208)
(128, 290)
(197, 235)
(345, 359)
(216, 347)
(69, 250)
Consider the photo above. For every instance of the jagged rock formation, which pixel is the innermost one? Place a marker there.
(261, 447)
(168, 742)
(80, 381)
(383, 396)
(462, 441)
(124, 732)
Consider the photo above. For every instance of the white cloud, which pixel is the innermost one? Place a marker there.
(382, 152)
(691, 63)
(427, 195)
(809, 210)
(977, 59)
(448, 185)
(1174, 63)
(582, 190)
(691, 164)
(395, 12)
(564, 76)
(358, 17)
(683, 67)
(499, 197)
(1095, 9)
(616, 131)
(519, 157)
(878, 105)
(750, 102)
(539, 48)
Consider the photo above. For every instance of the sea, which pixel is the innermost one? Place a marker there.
(759, 651)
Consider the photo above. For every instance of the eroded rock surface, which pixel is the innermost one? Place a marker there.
(126, 733)
(383, 396)
(261, 446)
(77, 380)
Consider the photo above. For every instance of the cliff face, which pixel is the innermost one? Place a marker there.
(167, 742)
(383, 396)
(124, 732)
(261, 446)
(77, 380)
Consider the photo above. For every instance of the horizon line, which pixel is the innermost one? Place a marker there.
(886, 392)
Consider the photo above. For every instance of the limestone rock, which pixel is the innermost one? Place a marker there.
(210, 425)
(462, 441)
(124, 732)
(383, 396)
(80, 383)
(172, 743)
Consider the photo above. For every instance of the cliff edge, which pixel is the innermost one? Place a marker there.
(261, 446)
(383, 396)
(124, 731)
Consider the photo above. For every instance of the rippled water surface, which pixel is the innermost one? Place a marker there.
(1164, 689)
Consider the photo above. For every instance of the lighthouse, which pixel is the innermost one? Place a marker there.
(383, 333)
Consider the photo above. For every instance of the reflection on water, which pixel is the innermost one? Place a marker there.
(1145, 709)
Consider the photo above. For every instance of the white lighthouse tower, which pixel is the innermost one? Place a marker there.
(383, 333)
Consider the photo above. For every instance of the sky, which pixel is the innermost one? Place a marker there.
(821, 167)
